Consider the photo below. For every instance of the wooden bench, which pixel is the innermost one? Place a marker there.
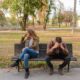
(42, 53)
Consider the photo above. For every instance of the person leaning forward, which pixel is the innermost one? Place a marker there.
(57, 49)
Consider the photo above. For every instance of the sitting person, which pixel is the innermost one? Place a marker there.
(31, 50)
(56, 49)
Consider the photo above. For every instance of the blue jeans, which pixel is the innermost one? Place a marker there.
(65, 58)
(27, 54)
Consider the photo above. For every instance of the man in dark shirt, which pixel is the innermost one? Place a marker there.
(56, 49)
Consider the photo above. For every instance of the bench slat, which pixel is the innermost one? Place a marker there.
(43, 59)
(42, 50)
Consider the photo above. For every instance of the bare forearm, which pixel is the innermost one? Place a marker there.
(49, 51)
(22, 39)
(65, 50)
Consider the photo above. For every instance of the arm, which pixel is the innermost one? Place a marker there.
(64, 48)
(23, 38)
(51, 49)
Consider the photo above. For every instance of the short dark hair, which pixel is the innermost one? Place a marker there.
(58, 39)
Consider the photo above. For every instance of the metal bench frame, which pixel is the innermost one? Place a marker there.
(42, 53)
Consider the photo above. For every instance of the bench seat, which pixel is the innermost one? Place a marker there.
(42, 59)
(42, 53)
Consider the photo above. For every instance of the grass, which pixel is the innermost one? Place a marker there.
(8, 39)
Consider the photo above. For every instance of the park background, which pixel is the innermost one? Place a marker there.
(50, 18)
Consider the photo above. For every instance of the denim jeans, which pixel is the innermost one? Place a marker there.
(27, 54)
(66, 60)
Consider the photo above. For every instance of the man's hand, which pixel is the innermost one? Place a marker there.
(49, 51)
(56, 45)
(61, 46)
(64, 48)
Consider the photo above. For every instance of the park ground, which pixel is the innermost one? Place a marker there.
(40, 74)
(9, 38)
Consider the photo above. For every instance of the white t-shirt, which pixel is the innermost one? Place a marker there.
(29, 43)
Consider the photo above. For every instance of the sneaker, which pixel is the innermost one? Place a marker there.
(27, 73)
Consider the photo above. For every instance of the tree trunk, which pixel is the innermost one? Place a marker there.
(33, 21)
(66, 24)
(44, 27)
(59, 24)
(25, 18)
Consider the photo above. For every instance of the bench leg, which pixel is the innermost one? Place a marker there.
(68, 67)
(18, 67)
(20, 64)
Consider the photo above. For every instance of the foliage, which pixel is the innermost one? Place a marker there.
(64, 17)
(23, 8)
(12, 20)
(60, 18)
(68, 16)
(50, 7)
(2, 18)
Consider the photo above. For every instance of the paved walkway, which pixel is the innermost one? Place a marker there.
(39, 74)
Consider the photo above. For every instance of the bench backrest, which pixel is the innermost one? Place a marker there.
(18, 49)
(42, 49)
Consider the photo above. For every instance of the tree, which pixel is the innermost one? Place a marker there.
(2, 18)
(42, 12)
(23, 8)
(48, 12)
(68, 17)
(60, 18)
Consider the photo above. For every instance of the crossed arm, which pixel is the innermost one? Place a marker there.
(50, 50)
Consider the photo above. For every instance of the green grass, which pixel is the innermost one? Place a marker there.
(8, 39)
